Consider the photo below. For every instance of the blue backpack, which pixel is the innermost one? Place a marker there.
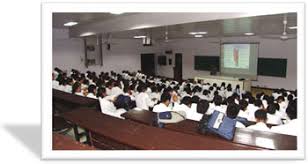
(222, 125)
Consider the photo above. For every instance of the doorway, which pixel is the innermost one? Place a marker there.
(148, 64)
(178, 68)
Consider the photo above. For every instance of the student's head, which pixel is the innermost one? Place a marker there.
(186, 100)
(280, 99)
(141, 88)
(217, 100)
(243, 104)
(237, 86)
(195, 99)
(290, 97)
(92, 89)
(271, 108)
(202, 106)
(101, 92)
(261, 115)
(223, 84)
(165, 98)
(232, 111)
(230, 100)
(205, 92)
(76, 87)
(291, 112)
(258, 103)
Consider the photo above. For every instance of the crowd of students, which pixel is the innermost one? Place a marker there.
(195, 99)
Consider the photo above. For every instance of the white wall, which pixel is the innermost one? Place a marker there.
(125, 55)
(68, 53)
(269, 48)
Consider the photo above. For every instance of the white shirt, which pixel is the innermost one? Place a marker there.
(243, 114)
(108, 91)
(91, 95)
(251, 109)
(116, 91)
(239, 125)
(68, 88)
(161, 107)
(290, 128)
(55, 84)
(259, 126)
(155, 95)
(108, 108)
(273, 119)
(79, 93)
(143, 101)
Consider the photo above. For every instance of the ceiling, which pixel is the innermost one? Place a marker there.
(260, 25)
(58, 19)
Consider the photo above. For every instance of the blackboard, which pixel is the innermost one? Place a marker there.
(272, 67)
(206, 63)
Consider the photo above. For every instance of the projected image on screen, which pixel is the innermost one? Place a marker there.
(239, 59)
(236, 56)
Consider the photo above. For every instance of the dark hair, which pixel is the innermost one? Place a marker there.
(280, 98)
(75, 86)
(195, 99)
(291, 112)
(243, 104)
(202, 106)
(230, 100)
(258, 103)
(271, 109)
(205, 92)
(217, 100)
(260, 114)
(186, 100)
(100, 92)
(165, 97)
(290, 97)
(91, 88)
(232, 111)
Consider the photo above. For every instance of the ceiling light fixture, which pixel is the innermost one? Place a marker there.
(68, 24)
(198, 36)
(198, 33)
(249, 33)
(292, 27)
(139, 37)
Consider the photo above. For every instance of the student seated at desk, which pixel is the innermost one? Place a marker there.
(194, 102)
(290, 128)
(202, 108)
(107, 105)
(217, 101)
(261, 118)
(232, 112)
(92, 91)
(143, 100)
(243, 106)
(252, 109)
(164, 103)
(116, 90)
(76, 89)
(185, 106)
(272, 114)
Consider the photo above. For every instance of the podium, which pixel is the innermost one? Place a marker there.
(244, 84)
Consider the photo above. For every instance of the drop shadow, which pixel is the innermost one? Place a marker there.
(28, 135)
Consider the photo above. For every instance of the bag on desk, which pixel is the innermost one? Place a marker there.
(169, 117)
(222, 125)
(242, 120)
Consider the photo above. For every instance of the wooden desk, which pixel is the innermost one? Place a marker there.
(266, 140)
(126, 134)
(61, 142)
(66, 101)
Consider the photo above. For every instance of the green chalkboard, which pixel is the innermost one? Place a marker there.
(272, 67)
(206, 63)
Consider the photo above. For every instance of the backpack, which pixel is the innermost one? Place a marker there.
(124, 102)
(222, 125)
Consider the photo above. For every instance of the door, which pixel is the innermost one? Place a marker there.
(148, 64)
(177, 70)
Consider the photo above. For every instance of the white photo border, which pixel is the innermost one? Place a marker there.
(46, 68)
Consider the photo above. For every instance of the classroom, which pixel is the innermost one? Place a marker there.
(174, 81)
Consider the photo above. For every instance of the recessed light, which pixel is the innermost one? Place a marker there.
(198, 36)
(292, 27)
(249, 33)
(198, 33)
(139, 37)
(87, 34)
(70, 24)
